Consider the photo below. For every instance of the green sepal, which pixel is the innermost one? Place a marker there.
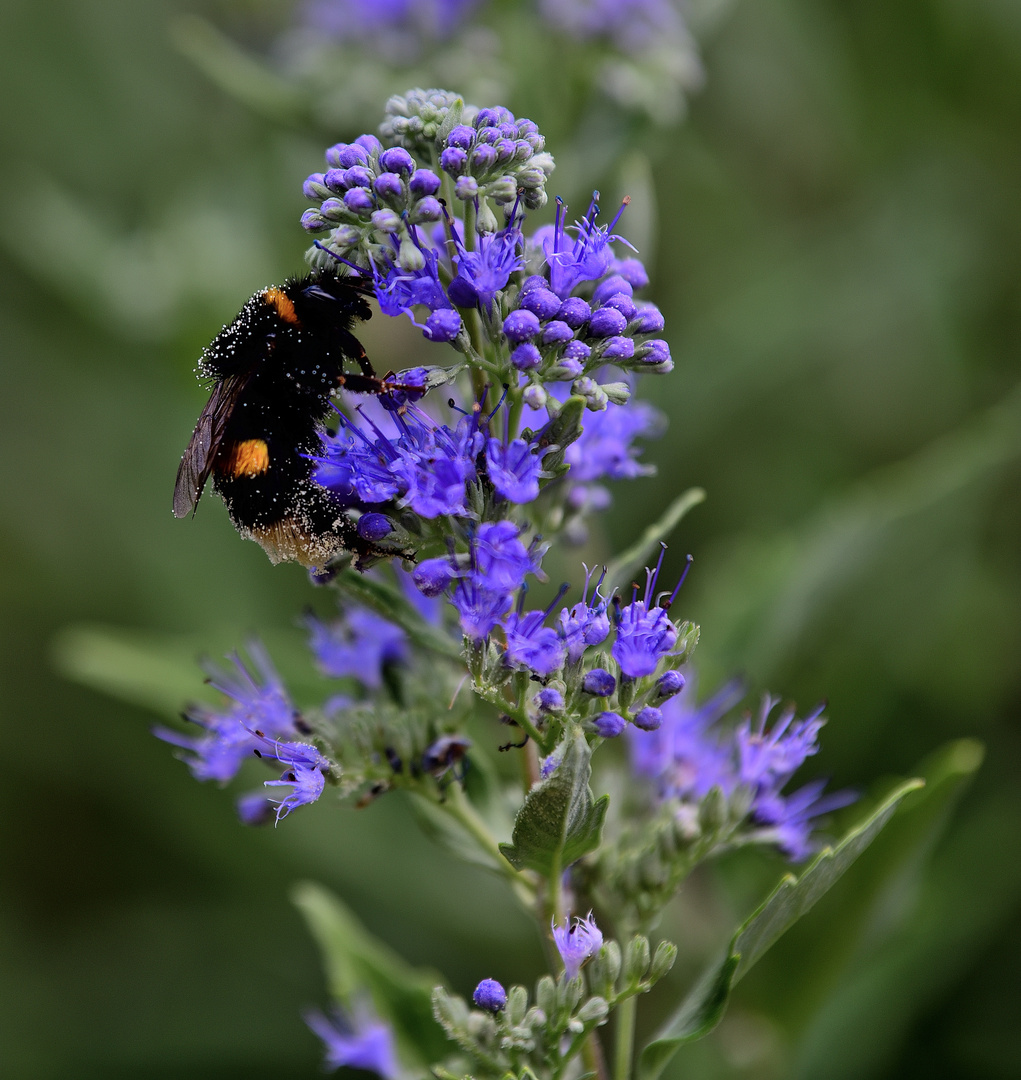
(559, 821)
(357, 963)
(560, 432)
(704, 1006)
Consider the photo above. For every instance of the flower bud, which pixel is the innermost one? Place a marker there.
(423, 182)
(374, 526)
(490, 995)
(432, 576)
(397, 160)
(427, 209)
(594, 395)
(388, 185)
(612, 285)
(606, 322)
(466, 187)
(444, 324)
(385, 221)
(670, 683)
(636, 960)
(534, 396)
(663, 960)
(648, 719)
(526, 356)
(609, 724)
(617, 392)
(358, 200)
(453, 160)
(598, 682)
(543, 302)
(574, 311)
(555, 332)
(521, 325)
(623, 303)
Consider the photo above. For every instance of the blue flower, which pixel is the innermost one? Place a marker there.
(478, 608)
(305, 773)
(358, 645)
(585, 623)
(645, 633)
(576, 941)
(588, 257)
(605, 448)
(259, 702)
(685, 756)
(514, 469)
(482, 273)
(358, 1041)
(768, 759)
(306, 784)
(533, 644)
(500, 560)
(787, 820)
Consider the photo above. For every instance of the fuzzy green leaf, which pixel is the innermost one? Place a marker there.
(704, 1006)
(559, 821)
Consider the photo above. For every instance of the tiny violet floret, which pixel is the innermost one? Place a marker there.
(576, 941)
(490, 995)
(357, 1041)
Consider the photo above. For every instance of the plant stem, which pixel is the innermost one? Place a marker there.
(625, 1039)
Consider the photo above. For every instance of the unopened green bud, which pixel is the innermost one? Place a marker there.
(595, 1010)
(485, 222)
(517, 1003)
(713, 811)
(662, 961)
(546, 994)
(409, 257)
(609, 955)
(636, 960)
(618, 392)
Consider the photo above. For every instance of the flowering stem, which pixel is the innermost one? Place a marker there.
(625, 1038)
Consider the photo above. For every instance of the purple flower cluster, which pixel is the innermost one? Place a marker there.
(690, 753)
(259, 723)
(258, 702)
(376, 200)
(422, 464)
(555, 331)
(645, 632)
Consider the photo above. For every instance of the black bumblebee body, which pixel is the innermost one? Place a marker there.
(273, 370)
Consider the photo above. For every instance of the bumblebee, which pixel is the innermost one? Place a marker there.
(272, 373)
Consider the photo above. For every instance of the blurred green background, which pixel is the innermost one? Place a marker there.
(838, 250)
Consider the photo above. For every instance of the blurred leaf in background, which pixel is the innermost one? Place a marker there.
(838, 247)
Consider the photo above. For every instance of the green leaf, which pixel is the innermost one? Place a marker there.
(559, 821)
(704, 1006)
(357, 963)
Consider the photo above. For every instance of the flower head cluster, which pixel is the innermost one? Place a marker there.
(381, 202)
(257, 702)
(580, 313)
(690, 753)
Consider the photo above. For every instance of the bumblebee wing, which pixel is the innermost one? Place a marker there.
(197, 460)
